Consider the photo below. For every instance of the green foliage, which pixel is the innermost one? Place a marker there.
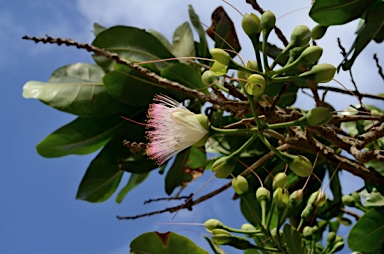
(252, 127)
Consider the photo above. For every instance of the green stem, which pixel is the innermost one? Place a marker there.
(254, 111)
(265, 55)
(256, 46)
(263, 205)
(245, 145)
(272, 148)
(232, 131)
(297, 122)
(300, 224)
(270, 215)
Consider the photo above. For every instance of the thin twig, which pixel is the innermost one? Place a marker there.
(380, 69)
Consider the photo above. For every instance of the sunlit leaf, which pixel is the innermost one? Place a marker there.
(183, 43)
(77, 89)
(164, 243)
(133, 44)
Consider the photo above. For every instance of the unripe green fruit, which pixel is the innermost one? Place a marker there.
(348, 201)
(221, 239)
(220, 55)
(318, 32)
(240, 184)
(252, 64)
(310, 55)
(255, 85)
(280, 197)
(318, 116)
(296, 198)
(267, 21)
(262, 194)
(301, 166)
(212, 224)
(223, 166)
(331, 237)
(307, 211)
(300, 36)
(208, 77)
(317, 198)
(220, 231)
(251, 24)
(320, 73)
(247, 227)
(280, 180)
(307, 231)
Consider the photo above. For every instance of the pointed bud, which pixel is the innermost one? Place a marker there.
(252, 64)
(224, 166)
(280, 197)
(220, 231)
(331, 238)
(320, 73)
(212, 224)
(255, 85)
(280, 180)
(318, 32)
(318, 198)
(221, 239)
(251, 24)
(220, 55)
(310, 55)
(300, 165)
(300, 36)
(262, 194)
(296, 198)
(267, 21)
(240, 184)
(307, 231)
(208, 77)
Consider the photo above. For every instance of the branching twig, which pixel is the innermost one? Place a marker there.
(353, 93)
(380, 69)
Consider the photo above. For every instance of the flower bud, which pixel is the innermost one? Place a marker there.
(356, 196)
(252, 64)
(307, 231)
(331, 238)
(220, 231)
(280, 197)
(348, 201)
(240, 184)
(247, 227)
(223, 166)
(204, 122)
(262, 194)
(318, 116)
(318, 32)
(301, 166)
(251, 24)
(337, 247)
(307, 211)
(222, 239)
(317, 198)
(280, 180)
(310, 55)
(296, 198)
(255, 85)
(320, 73)
(300, 36)
(212, 224)
(208, 77)
(267, 21)
(220, 55)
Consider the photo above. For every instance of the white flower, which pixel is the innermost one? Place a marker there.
(173, 128)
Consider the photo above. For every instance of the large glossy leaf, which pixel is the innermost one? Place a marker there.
(185, 75)
(164, 243)
(183, 43)
(223, 32)
(188, 165)
(133, 44)
(337, 12)
(104, 173)
(82, 136)
(134, 180)
(131, 87)
(293, 239)
(203, 45)
(77, 89)
(161, 38)
(367, 234)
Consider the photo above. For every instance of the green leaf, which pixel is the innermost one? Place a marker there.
(183, 43)
(223, 32)
(367, 234)
(373, 198)
(105, 171)
(215, 248)
(161, 38)
(185, 75)
(189, 164)
(287, 98)
(97, 28)
(77, 89)
(133, 44)
(293, 239)
(331, 12)
(130, 87)
(203, 45)
(134, 180)
(164, 243)
(81, 136)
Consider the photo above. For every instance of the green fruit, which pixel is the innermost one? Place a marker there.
(208, 77)
(251, 24)
(320, 73)
(318, 32)
(280, 180)
(301, 166)
(255, 85)
(221, 56)
(212, 224)
(280, 197)
(223, 166)
(240, 184)
(267, 21)
(318, 116)
(262, 194)
(300, 36)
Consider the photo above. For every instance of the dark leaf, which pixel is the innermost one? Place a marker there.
(293, 239)
(223, 32)
(203, 45)
(134, 180)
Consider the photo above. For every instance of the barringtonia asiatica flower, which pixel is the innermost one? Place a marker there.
(173, 128)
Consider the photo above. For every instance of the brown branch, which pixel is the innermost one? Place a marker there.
(349, 92)
(380, 69)
(370, 136)
(365, 156)
(355, 215)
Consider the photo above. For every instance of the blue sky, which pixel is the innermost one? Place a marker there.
(38, 210)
